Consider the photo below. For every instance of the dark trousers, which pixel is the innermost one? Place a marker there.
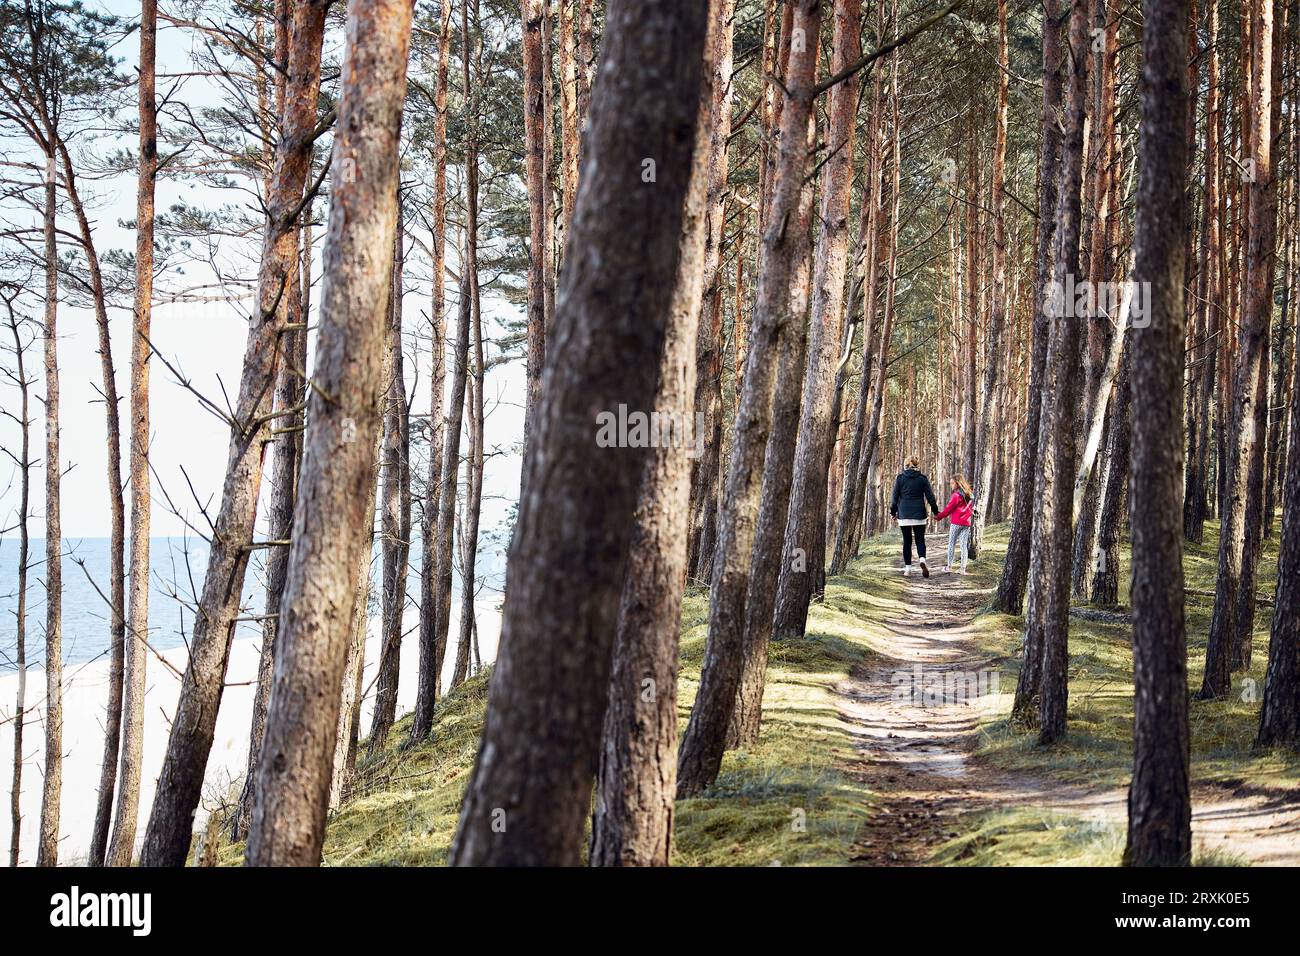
(913, 532)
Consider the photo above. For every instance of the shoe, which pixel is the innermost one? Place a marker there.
(925, 569)
(907, 570)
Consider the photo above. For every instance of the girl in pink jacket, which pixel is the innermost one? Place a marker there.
(960, 507)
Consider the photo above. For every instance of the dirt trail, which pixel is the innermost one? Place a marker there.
(918, 753)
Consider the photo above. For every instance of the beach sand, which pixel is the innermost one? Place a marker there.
(84, 698)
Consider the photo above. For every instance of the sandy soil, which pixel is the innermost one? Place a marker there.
(85, 696)
(921, 758)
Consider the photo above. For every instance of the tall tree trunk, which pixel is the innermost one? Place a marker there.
(568, 554)
(1159, 798)
(1208, 302)
(568, 80)
(1260, 276)
(286, 450)
(707, 402)
(330, 530)
(117, 534)
(1010, 596)
(1048, 621)
(395, 514)
(705, 740)
(429, 678)
(868, 269)
(805, 531)
(1233, 616)
(636, 783)
(122, 845)
(536, 78)
(473, 480)
(167, 838)
(983, 474)
(774, 498)
(51, 793)
(20, 601)
(475, 459)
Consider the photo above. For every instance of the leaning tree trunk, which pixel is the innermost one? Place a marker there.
(290, 392)
(636, 784)
(705, 740)
(1105, 582)
(135, 658)
(1159, 797)
(167, 838)
(330, 527)
(47, 853)
(774, 498)
(805, 529)
(529, 794)
(116, 510)
(1010, 596)
(869, 269)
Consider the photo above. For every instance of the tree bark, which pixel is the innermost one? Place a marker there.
(429, 678)
(1233, 614)
(20, 601)
(122, 845)
(1010, 596)
(636, 783)
(983, 474)
(705, 740)
(536, 78)
(707, 403)
(167, 838)
(51, 792)
(529, 794)
(1048, 621)
(347, 737)
(1105, 582)
(1208, 304)
(330, 530)
(774, 497)
(868, 268)
(805, 531)
(395, 510)
(1159, 799)
(116, 510)
(1279, 718)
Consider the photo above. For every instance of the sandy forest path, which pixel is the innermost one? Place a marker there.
(915, 710)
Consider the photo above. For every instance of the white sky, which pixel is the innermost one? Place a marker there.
(206, 341)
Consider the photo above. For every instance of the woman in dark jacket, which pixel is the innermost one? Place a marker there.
(912, 492)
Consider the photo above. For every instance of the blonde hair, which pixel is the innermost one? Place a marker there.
(911, 461)
(963, 485)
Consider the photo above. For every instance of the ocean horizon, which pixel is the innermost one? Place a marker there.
(177, 565)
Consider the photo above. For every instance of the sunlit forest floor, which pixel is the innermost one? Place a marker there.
(849, 770)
